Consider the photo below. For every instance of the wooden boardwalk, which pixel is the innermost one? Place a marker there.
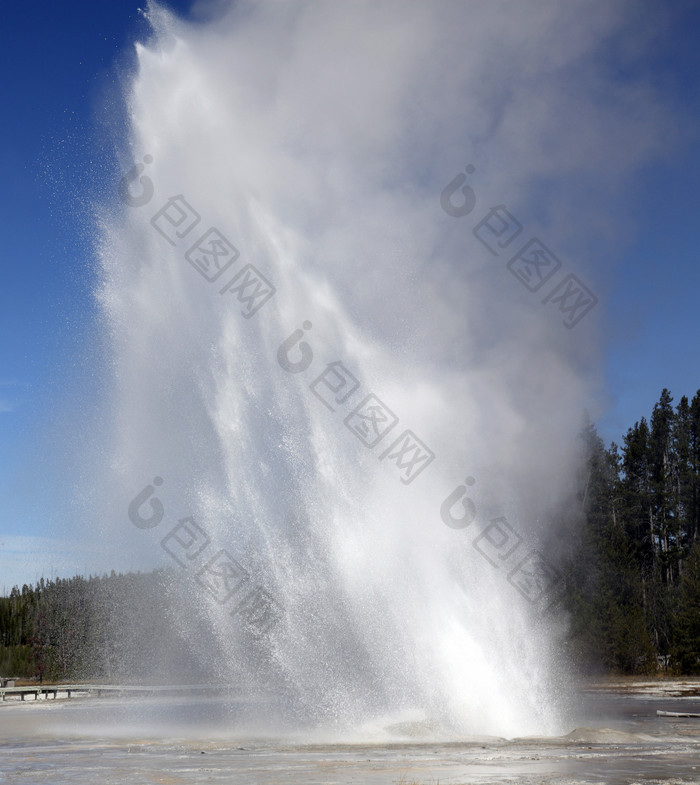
(44, 691)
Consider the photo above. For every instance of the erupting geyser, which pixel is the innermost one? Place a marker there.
(314, 368)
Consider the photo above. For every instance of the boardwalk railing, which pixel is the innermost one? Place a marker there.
(45, 690)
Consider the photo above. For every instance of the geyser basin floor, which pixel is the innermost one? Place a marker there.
(619, 740)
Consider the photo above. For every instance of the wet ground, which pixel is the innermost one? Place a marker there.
(621, 740)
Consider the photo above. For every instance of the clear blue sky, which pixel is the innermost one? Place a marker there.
(60, 61)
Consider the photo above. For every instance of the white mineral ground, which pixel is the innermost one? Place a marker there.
(618, 739)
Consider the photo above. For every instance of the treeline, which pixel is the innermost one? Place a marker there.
(116, 627)
(632, 553)
(628, 548)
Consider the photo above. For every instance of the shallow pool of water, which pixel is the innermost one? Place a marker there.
(618, 739)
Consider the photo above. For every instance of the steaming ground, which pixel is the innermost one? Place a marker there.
(316, 139)
(176, 740)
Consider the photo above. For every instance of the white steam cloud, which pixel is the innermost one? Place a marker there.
(317, 137)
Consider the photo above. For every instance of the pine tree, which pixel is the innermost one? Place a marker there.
(686, 643)
(665, 529)
(636, 501)
(604, 589)
(693, 486)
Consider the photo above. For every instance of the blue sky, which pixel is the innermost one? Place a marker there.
(62, 63)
